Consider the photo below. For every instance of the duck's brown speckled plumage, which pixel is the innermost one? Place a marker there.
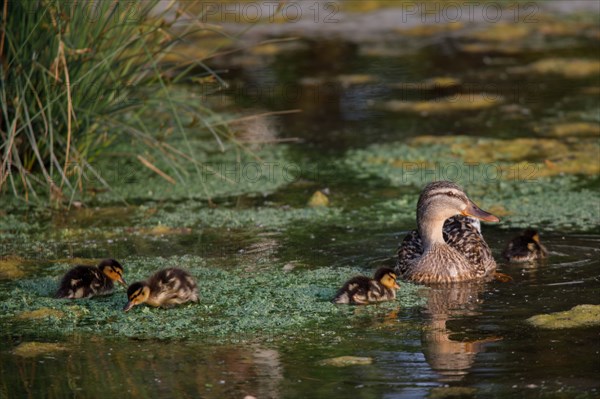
(361, 290)
(463, 254)
(462, 235)
(525, 248)
(88, 281)
(167, 287)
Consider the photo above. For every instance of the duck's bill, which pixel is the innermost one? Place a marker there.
(476, 212)
(128, 306)
(122, 282)
(396, 286)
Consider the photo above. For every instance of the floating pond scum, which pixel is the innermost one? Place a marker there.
(234, 305)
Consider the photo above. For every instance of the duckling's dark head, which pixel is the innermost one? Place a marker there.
(137, 293)
(113, 270)
(531, 234)
(387, 277)
(441, 200)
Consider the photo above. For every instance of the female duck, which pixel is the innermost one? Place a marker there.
(89, 281)
(448, 245)
(361, 290)
(525, 248)
(164, 288)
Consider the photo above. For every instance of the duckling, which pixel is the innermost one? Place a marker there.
(361, 290)
(526, 247)
(164, 288)
(448, 245)
(89, 281)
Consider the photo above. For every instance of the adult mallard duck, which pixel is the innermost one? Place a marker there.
(448, 245)
(361, 290)
(525, 248)
(89, 281)
(164, 288)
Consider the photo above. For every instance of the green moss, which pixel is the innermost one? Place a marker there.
(578, 316)
(234, 305)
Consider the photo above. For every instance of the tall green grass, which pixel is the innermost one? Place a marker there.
(76, 76)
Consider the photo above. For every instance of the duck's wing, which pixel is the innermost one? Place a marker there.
(173, 286)
(80, 282)
(410, 248)
(463, 235)
(354, 291)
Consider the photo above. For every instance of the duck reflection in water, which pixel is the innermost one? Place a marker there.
(452, 359)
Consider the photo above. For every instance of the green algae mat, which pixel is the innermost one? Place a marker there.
(235, 305)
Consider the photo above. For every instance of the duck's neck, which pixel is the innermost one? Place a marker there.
(430, 231)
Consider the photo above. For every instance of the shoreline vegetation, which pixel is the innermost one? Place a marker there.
(81, 81)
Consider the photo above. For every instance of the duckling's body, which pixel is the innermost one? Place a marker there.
(525, 248)
(164, 288)
(448, 245)
(89, 281)
(361, 290)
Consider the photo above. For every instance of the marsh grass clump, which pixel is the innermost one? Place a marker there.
(77, 77)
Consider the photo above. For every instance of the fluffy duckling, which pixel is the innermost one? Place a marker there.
(361, 290)
(89, 281)
(525, 248)
(447, 245)
(164, 288)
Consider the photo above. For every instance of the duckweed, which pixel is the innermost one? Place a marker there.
(234, 305)
(578, 316)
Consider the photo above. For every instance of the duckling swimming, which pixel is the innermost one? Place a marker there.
(164, 288)
(448, 245)
(89, 281)
(525, 248)
(361, 290)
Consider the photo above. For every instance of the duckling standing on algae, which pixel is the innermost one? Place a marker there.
(361, 290)
(164, 288)
(448, 245)
(525, 248)
(88, 281)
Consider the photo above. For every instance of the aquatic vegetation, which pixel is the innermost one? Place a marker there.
(505, 177)
(344, 361)
(234, 305)
(439, 82)
(74, 86)
(216, 174)
(33, 349)
(502, 32)
(318, 199)
(572, 68)
(574, 129)
(577, 317)
(457, 103)
(41, 313)
(10, 267)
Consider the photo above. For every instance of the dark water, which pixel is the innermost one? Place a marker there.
(471, 338)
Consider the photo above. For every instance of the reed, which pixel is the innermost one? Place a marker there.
(78, 76)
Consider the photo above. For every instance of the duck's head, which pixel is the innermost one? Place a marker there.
(387, 277)
(137, 293)
(531, 235)
(113, 270)
(443, 199)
